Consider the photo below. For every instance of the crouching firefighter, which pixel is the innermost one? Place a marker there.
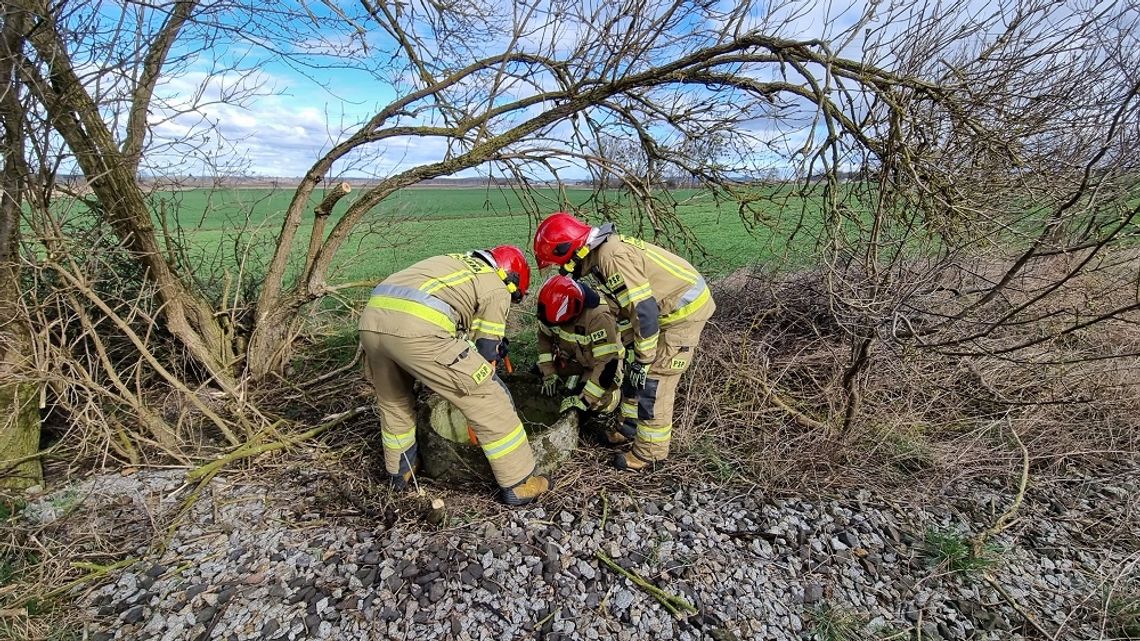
(579, 346)
(413, 328)
(666, 302)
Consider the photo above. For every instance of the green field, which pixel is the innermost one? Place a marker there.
(220, 227)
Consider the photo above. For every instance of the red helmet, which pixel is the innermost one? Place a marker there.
(558, 236)
(513, 269)
(561, 299)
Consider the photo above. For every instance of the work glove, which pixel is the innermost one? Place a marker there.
(573, 403)
(503, 347)
(550, 385)
(635, 377)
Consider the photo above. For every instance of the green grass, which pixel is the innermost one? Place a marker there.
(834, 623)
(714, 462)
(1124, 610)
(955, 552)
(219, 226)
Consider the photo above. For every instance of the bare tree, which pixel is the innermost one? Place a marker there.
(912, 135)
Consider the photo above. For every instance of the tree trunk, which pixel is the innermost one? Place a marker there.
(19, 412)
(111, 175)
(19, 436)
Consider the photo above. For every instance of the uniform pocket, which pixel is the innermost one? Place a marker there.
(676, 352)
(468, 369)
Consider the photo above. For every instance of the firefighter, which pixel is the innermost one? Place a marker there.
(666, 302)
(579, 346)
(413, 327)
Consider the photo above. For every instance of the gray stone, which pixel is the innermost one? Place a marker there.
(133, 615)
(813, 592)
(269, 629)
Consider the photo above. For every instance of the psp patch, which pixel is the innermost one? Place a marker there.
(598, 336)
(679, 363)
(615, 281)
(482, 373)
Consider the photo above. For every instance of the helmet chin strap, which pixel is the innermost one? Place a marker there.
(499, 271)
(572, 264)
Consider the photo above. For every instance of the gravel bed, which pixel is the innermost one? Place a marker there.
(248, 562)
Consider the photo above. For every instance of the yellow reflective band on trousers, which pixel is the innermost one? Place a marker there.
(398, 441)
(487, 327)
(629, 409)
(546, 358)
(505, 445)
(654, 434)
(593, 389)
(692, 301)
(414, 308)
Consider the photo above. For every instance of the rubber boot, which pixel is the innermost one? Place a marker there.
(401, 481)
(631, 462)
(527, 490)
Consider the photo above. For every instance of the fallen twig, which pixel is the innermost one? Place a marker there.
(248, 450)
(674, 604)
(1006, 518)
(95, 572)
(1025, 614)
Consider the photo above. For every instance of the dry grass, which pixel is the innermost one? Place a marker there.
(761, 411)
(765, 393)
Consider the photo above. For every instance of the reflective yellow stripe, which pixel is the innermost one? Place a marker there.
(671, 267)
(487, 327)
(638, 294)
(628, 409)
(398, 441)
(647, 344)
(570, 338)
(450, 280)
(506, 445)
(654, 434)
(593, 389)
(686, 310)
(545, 358)
(419, 310)
(603, 350)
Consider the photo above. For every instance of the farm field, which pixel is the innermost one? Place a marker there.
(221, 226)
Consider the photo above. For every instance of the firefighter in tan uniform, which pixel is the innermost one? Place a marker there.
(579, 345)
(667, 303)
(413, 328)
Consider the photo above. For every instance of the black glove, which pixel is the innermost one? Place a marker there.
(503, 347)
(635, 377)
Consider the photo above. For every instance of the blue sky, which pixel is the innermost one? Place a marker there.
(292, 115)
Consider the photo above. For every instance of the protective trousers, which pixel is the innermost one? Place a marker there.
(455, 371)
(652, 407)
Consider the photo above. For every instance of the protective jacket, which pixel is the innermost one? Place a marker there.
(593, 342)
(654, 288)
(456, 294)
